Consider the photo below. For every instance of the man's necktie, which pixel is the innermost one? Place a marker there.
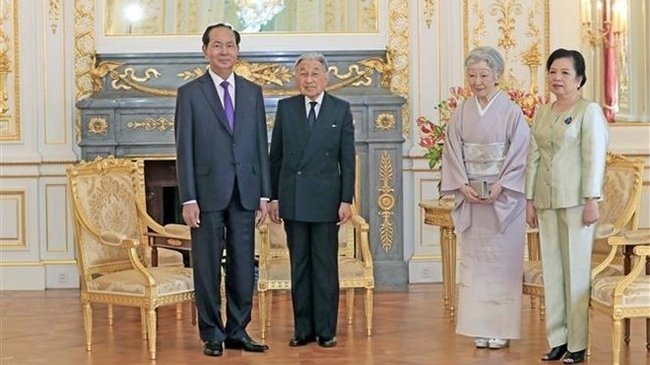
(227, 105)
(311, 118)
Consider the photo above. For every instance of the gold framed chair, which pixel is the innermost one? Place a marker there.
(619, 212)
(110, 226)
(355, 267)
(622, 296)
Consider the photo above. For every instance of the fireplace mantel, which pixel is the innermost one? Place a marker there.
(131, 115)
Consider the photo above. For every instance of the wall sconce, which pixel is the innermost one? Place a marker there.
(613, 20)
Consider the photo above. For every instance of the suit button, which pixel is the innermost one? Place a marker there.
(299, 172)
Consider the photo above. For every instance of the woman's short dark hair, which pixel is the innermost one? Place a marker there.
(578, 62)
(206, 34)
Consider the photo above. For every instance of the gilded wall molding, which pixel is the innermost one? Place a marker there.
(386, 202)
(274, 78)
(84, 51)
(398, 53)
(9, 66)
(14, 200)
(429, 8)
(54, 14)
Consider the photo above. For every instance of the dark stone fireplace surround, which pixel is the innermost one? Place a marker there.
(130, 117)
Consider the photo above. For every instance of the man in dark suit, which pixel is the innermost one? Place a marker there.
(223, 177)
(312, 180)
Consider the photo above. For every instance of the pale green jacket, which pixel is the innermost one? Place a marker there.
(566, 156)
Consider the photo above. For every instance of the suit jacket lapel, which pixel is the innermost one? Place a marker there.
(210, 92)
(300, 128)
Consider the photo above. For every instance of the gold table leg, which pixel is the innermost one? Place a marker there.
(448, 248)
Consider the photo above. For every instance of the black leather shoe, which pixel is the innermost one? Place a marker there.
(556, 353)
(244, 343)
(297, 341)
(327, 342)
(574, 357)
(212, 348)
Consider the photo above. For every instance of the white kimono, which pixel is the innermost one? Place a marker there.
(490, 147)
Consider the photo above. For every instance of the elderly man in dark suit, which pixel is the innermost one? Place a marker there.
(223, 177)
(312, 180)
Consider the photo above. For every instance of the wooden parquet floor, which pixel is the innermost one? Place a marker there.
(410, 328)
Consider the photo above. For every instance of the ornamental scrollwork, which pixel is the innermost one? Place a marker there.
(273, 77)
(150, 124)
(385, 122)
(97, 126)
(386, 202)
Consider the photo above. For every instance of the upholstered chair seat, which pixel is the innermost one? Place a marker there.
(169, 280)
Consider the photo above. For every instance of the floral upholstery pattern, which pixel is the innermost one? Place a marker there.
(637, 294)
(533, 274)
(170, 280)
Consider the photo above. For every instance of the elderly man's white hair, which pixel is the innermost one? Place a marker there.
(312, 56)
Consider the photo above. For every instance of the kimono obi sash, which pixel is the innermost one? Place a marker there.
(484, 159)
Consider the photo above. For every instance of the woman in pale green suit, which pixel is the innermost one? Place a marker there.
(565, 170)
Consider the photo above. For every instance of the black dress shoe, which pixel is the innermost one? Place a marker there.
(297, 341)
(556, 353)
(212, 348)
(574, 357)
(245, 343)
(327, 342)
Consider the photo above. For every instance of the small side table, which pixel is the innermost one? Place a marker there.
(438, 213)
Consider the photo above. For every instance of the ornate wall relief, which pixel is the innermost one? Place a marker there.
(519, 29)
(9, 72)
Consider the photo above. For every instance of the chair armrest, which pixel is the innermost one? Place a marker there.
(118, 240)
(122, 241)
(615, 242)
(361, 229)
(639, 236)
(642, 252)
(264, 247)
(177, 231)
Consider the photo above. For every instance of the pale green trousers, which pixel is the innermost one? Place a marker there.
(566, 245)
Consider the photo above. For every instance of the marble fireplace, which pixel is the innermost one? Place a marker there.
(131, 114)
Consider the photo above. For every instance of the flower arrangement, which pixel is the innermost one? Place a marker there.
(432, 134)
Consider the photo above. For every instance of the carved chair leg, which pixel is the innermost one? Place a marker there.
(179, 311)
(151, 332)
(109, 311)
(88, 324)
(368, 309)
(617, 329)
(143, 323)
(349, 300)
(269, 307)
(261, 297)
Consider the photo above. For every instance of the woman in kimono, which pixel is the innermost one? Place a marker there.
(565, 173)
(483, 164)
